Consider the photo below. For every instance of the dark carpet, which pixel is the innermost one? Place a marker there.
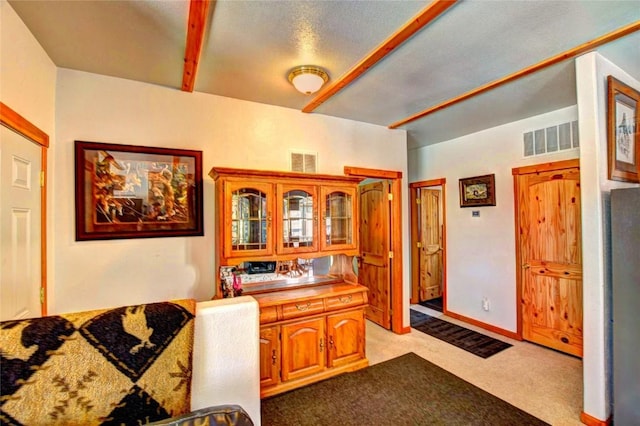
(469, 340)
(407, 390)
(435, 304)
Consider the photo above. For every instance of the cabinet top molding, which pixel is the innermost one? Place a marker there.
(217, 172)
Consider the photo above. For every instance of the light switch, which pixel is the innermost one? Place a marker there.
(475, 213)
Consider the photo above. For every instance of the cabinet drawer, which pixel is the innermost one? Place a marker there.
(302, 308)
(344, 301)
(268, 314)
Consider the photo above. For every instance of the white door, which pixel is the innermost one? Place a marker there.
(20, 226)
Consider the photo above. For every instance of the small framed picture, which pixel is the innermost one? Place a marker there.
(478, 191)
(126, 191)
(623, 148)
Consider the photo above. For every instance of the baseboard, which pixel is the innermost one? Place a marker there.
(489, 327)
(592, 421)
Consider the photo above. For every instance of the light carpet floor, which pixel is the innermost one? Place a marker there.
(540, 381)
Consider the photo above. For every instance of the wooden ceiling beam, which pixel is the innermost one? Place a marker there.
(198, 11)
(568, 54)
(415, 24)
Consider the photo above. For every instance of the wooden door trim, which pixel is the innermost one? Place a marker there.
(516, 172)
(545, 167)
(396, 239)
(14, 121)
(413, 188)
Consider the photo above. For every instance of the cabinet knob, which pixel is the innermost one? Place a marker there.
(321, 344)
(330, 342)
(274, 358)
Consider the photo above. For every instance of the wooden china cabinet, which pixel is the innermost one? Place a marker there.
(312, 328)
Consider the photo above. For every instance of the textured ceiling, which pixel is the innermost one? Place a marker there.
(250, 46)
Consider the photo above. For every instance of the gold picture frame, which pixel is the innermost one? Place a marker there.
(623, 115)
(478, 191)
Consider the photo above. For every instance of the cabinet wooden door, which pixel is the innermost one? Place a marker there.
(345, 337)
(297, 216)
(550, 245)
(339, 218)
(303, 348)
(248, 219)
(269, 355)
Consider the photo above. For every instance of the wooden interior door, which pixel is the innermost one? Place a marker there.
(374, 271)
(430, 256)
(550, 252)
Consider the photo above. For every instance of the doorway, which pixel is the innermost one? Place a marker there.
(428, 244)
(23, 164)
(549, 255)
(385, 270)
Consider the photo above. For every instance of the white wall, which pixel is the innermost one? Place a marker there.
(481, 250)
(591, 78)
(28, 77)
(230, 133)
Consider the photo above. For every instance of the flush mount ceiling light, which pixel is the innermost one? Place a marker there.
(308, 79)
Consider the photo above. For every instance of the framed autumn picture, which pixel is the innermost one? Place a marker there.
(126, 191)
(478, 191)
(623, 148)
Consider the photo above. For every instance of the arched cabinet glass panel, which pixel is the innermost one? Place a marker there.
(299, 219)
(338, 218)
(248, 220)
(249, 228)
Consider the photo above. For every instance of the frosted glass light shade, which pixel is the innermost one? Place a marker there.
(308, 79)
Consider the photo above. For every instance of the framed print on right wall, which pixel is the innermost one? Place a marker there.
(623, 115)
(478, 191)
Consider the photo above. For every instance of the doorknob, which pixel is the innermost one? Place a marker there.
(526, 266)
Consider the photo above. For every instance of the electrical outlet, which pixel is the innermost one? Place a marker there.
(485, 303)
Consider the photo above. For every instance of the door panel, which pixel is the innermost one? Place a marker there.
(374, 272)
(269, 355)
(20, 227)
(345, 337)
(550, 246)
(431, 245)
(303, 348)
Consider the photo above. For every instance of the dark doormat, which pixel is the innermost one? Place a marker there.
(469, 340)
(435, 304)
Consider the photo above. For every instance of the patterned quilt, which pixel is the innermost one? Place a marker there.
(130, 365)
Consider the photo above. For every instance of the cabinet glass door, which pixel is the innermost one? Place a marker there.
(299, 219)
(338, 218)
(249, 226)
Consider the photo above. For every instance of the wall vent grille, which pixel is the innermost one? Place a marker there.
(552, 139)
(306, 162)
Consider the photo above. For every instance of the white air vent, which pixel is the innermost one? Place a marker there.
(305, 162)
(552, 139)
